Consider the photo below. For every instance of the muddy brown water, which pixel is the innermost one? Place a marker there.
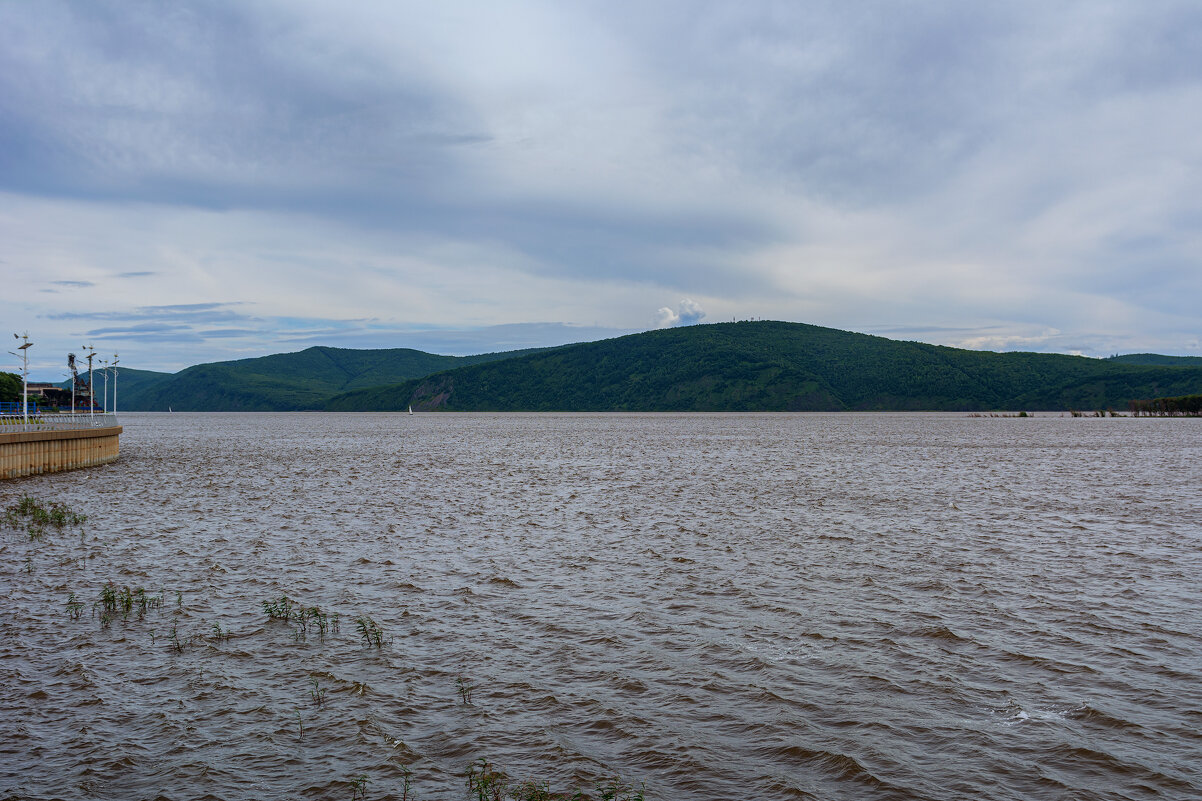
(895, 606)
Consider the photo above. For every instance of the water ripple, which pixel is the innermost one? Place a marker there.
(720, 606)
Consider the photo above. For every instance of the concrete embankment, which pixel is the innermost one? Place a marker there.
(27, 453)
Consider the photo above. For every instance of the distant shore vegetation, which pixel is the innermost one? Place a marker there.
(1183, 406)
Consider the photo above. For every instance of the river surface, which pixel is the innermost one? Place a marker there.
(842, 606)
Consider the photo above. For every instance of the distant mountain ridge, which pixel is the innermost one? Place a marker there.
(304, 380)
(750, 366)
(1157, 359)
(776, 366)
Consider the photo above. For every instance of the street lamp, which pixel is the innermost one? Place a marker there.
(116, 361)
(91, 387)
(24, 354)
(104, 368)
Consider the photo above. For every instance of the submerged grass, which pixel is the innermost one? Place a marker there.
(305, 618)
(370, 631)
(126, 603)
(487, 782)
(123, 601)
(74, 607)
(464, 688)
(318, 693)
(279, 608)
(37, 518)
(484, 780)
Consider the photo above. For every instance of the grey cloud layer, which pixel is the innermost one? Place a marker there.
(736, 153)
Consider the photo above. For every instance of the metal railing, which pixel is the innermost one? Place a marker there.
(13, 423)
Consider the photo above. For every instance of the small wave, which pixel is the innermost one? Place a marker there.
(1079, 757)
(940, 633)
(838, 765)
(1050, 664)
(1089, 714)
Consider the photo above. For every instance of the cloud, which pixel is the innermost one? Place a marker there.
(174, 314)
(687, 312)
(177, 332)
(145, 328)
(978, 172)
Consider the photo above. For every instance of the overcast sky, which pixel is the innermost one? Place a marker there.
(192, 182)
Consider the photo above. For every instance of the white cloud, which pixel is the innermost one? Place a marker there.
(687, 312)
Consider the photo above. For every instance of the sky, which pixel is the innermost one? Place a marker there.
(193, 182)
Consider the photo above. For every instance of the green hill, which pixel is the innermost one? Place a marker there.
(1149, 359)
(285, 381)
(775, 366)
(131, 383)
(128, 380)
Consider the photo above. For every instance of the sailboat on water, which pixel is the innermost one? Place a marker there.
(410, 410)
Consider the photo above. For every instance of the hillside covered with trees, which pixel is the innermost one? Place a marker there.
(776, 366)
(1147, 359)
(281, 382)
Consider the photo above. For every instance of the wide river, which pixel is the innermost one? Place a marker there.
(826, 606)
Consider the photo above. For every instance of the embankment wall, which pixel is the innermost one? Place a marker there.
(27, 453)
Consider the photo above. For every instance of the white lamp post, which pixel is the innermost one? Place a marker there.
(24, 354)
(91, 386)
(116, 361)
(104, 402)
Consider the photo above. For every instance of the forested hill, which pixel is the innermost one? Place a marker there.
(285, 381)
(1157, 359)
(771, 366)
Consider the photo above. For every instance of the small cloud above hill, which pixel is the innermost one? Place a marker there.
(687, 312)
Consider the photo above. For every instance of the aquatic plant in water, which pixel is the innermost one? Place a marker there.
(30, 514)
(370, 631)
(289, 610)
(464, 688)
(406, 784)
(487, 782)
(313, 616)
(279, 609)
(74, 606)
(318, 693)
(122, 601)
